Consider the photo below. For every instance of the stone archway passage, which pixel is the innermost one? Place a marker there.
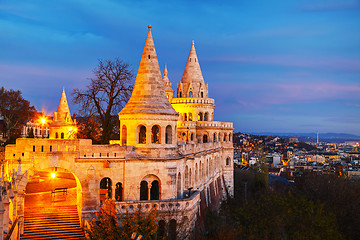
(52, 200)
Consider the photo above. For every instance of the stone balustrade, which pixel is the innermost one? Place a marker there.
(193, 100)
(163, 206)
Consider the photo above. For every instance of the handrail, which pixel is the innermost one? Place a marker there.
(8, 236)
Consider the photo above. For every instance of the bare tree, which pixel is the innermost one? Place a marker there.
(106, 94)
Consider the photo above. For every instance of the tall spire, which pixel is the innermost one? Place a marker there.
(192, 72)
(148, 95)
(63, 105)
(192, 81)
(167, 84)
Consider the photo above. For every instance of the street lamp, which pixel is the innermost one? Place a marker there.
(42, 121)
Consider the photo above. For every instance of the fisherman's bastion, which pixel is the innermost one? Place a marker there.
(171, 154)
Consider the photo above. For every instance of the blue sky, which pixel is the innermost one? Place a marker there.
(272, 66)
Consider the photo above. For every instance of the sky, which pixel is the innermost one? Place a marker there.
(271, 66)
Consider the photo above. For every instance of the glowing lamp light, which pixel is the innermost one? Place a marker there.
(42, 120)
(52, 175)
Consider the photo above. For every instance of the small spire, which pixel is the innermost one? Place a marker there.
(193, 42)
(149, 27)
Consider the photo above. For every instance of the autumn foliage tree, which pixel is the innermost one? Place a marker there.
(111, 225)
(106, 95)
(15, 110)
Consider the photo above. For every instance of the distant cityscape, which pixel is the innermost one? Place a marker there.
(290, 156)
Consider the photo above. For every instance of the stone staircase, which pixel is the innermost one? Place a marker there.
(59, 222)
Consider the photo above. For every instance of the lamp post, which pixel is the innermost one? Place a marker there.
(43, 121)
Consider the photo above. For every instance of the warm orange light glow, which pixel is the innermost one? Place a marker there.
(53, 175)
(43, 120)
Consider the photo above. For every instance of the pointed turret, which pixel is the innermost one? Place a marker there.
(63, 107)
(148, 96)
(167, 84)
(62, 126)
(193, 84)
(148, 119)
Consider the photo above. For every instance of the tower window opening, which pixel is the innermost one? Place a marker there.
(190, 117)
(195, 59)
(185, 117)
(168, 135)
(105, 188)
(180, 95)
(190, 94)
(56, 135)
(142, 135)
(149, 56)
(155, 132)
(119, 192)
(202, 94)
(62, 135)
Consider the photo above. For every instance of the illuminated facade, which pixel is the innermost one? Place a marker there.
(171, 152)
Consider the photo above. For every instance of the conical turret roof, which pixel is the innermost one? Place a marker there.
(63, 105)
(192, 73)
(148, 96)
(166, 80)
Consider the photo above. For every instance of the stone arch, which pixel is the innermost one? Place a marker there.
(62, 135)
(200, 116)
(105, 188)
(161, 230)
(205, 138)
(196, 174)
(187, 177)
(56, 135)
(179, 187)
(192, 137)
(206, 116)
(119, 192)
(190, 94)
(142, 134)
(228, 161)
(224, 137)
(124, 135)
(172, 229)
(155, 134)
(168, 135)
(150, 188)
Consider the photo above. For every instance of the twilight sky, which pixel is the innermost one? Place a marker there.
(272, 66)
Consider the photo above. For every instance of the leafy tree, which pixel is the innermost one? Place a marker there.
(106, 94)
(15, 110)
(111, 225)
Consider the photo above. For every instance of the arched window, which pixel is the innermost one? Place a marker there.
(161, 229)
(62, 135)
(124, 135)
(185, 117)
(200, 116)
(224, 137)
(119, 192)
(207, 168)
(206, 116)
(180, 95)
(200, 170)
(168, 135)
(205, 138)
(190, 116)
(155, 134)
(192, 137)
(228, 162)
(56, 135)
(142, 134)
(105, 188)
(155, 190)
(196, 173)
(229, 137)
(190, 179)
(172, 229)
(190, 94)
(179, 186)
(187, 177)
(202, 94)
(214, 137)
(144, 190)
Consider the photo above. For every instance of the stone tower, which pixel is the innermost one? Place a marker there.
(62, 126)
(192, 103)
(148, 120)
(167, 84)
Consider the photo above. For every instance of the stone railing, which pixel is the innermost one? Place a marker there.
(192, 148)
(163, 206)
(215, 124)
(193, 100)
